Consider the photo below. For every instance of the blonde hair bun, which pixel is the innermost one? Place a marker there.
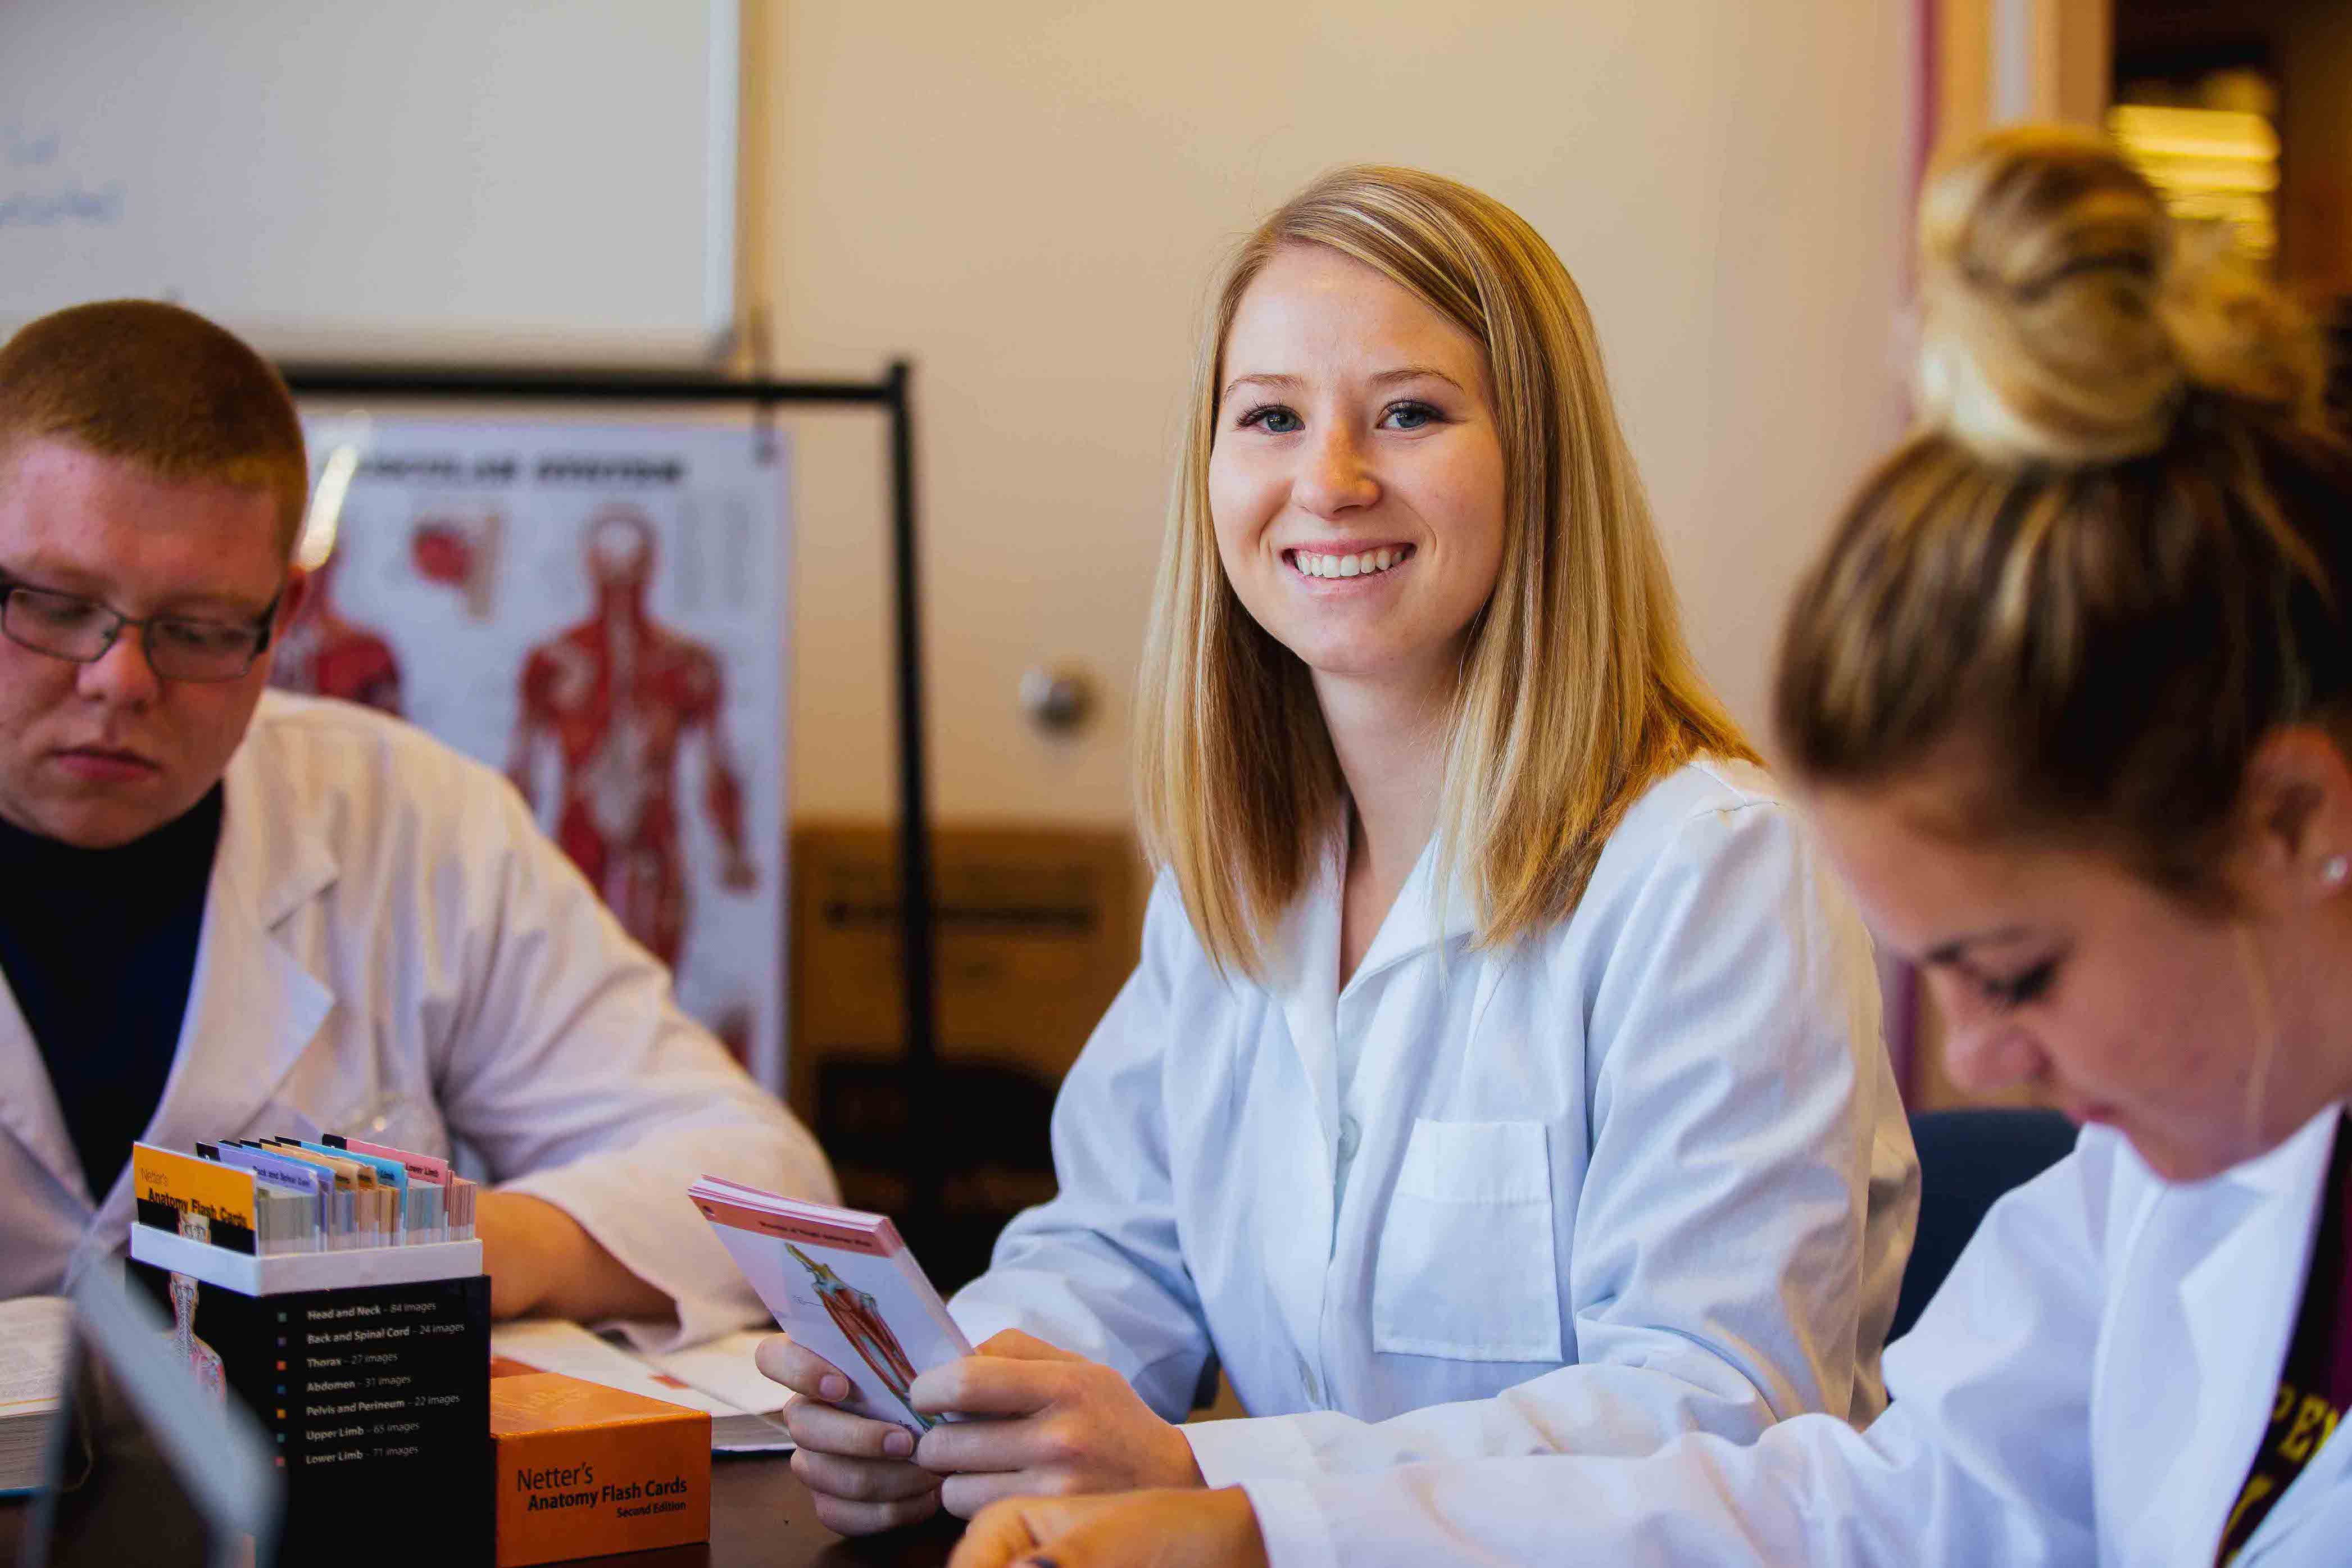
(2066, 316)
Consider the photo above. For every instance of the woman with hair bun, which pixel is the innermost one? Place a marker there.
(2070, 697)
(1502, 1073)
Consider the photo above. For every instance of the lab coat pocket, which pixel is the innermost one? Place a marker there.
(1465, 1268)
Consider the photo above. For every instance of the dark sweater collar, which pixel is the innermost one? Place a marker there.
(181, 848)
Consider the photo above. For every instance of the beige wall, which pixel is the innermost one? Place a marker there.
(1027, 198)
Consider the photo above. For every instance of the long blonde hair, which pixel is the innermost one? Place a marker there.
(2116, 555)
(1577, 689)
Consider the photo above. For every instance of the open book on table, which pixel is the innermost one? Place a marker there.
(34, 1334)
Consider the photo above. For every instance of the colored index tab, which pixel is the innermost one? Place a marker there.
(278, 1167)
(420, 1167)
(355, 1173)
(391, 1173)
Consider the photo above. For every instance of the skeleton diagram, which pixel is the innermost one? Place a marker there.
(202, 1359)
(859, 1318)
(616, 695)
(328, 656)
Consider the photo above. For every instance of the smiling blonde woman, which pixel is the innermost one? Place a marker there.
(1575, 688)
(1502, 1073)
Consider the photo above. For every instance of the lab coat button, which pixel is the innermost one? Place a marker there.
(1350, 1136)
(1306, 1376)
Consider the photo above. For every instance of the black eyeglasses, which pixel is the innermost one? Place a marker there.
(178, 648)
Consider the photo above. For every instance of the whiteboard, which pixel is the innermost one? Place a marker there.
(500, 180)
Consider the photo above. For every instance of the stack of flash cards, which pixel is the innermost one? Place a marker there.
(336, 1289)
(285, 1194)
(842, 1283)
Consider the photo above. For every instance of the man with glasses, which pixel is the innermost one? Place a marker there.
(227, 912)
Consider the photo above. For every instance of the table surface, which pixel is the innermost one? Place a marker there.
(760, 1518)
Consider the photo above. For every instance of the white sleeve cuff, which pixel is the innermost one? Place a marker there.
(1289, 1523)
(664, 1244)
(1248, 1449)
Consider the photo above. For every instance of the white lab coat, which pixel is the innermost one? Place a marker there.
(1643, 1172)
(392, 949)
(2088, 1387)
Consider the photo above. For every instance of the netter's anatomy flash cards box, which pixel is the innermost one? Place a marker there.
(350, 1323)
(842, 1283)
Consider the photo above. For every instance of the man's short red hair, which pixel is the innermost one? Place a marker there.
(163, 388)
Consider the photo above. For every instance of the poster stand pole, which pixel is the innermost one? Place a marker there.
(893, 393)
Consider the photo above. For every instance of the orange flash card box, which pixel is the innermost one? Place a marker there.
(584, 1470)
(369, 1370)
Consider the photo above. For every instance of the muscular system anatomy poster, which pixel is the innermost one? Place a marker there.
(599, 611)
